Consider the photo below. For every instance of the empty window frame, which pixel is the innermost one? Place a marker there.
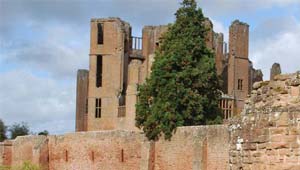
(240, 84)
(100, 33)
(86, 106)
(98, 108)
(99, 71)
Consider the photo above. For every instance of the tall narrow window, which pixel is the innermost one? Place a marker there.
(98, 108)
(99, 71)
(240, 84)
(86, 106)
(66, 156)
(100, 33)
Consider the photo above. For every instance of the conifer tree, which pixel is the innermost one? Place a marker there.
(3, 129)
(183, 88)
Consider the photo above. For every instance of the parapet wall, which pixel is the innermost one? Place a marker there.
(192, 148)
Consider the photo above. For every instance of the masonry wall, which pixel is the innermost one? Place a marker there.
(219, 58)
(81, 100)
(190, 148)
(238, 64)
(115, 60)
(6, 153)
(93, 150)
(151, 41)
(267, 135)
(195, 147)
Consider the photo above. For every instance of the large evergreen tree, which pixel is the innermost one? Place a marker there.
(183, 88)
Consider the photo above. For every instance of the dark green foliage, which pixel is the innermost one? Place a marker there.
(45, 133)
(183, 88)
(3, 130)
(18, 129)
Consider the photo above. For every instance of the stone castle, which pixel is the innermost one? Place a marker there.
(265, 134)
(119, 62)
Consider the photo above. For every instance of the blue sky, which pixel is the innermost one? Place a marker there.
(44, 42)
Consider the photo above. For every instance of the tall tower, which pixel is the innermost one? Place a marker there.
(81, 100)
(109, 57)
(238, 66)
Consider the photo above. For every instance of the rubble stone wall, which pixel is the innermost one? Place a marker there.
(267, 136)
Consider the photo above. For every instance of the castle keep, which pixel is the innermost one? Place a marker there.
(119, 62)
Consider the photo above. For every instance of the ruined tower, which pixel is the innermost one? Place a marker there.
(107, 92)
(219, 52)
(109, 57)
(238, 64)
(82, 100)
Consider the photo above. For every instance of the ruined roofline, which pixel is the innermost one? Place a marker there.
(82, 70)
(109, 19)
(154, 26)
(238, 22)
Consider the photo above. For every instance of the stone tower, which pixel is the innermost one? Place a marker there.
(109, 57)
(82, 100)
(238, 64)
(219, 52)
(119, 62)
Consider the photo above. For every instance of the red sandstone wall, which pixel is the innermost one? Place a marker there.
(106, 150)
(197, 147)
(266, 136)
(190, 148)
(30, 148)
(5, 153)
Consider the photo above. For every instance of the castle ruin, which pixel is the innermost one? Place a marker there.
(119, 62)
(265, 135)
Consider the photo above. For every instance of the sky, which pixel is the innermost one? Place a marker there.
(44, 42)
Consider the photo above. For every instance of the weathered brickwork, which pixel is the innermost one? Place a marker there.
(81, 100)
(238, 65)
(6, 153)
(191, 148)
(32, 148)
(198, 147)
(267, 135)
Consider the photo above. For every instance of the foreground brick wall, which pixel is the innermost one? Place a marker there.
(5, 153)
(196, 147)
(91, 150)
(267, 137)
(32, 148)
(190, 148)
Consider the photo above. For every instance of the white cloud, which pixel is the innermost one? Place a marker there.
(245, 7)
(60, 51)
(282, 47)
(37, 100)
(220, 28)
